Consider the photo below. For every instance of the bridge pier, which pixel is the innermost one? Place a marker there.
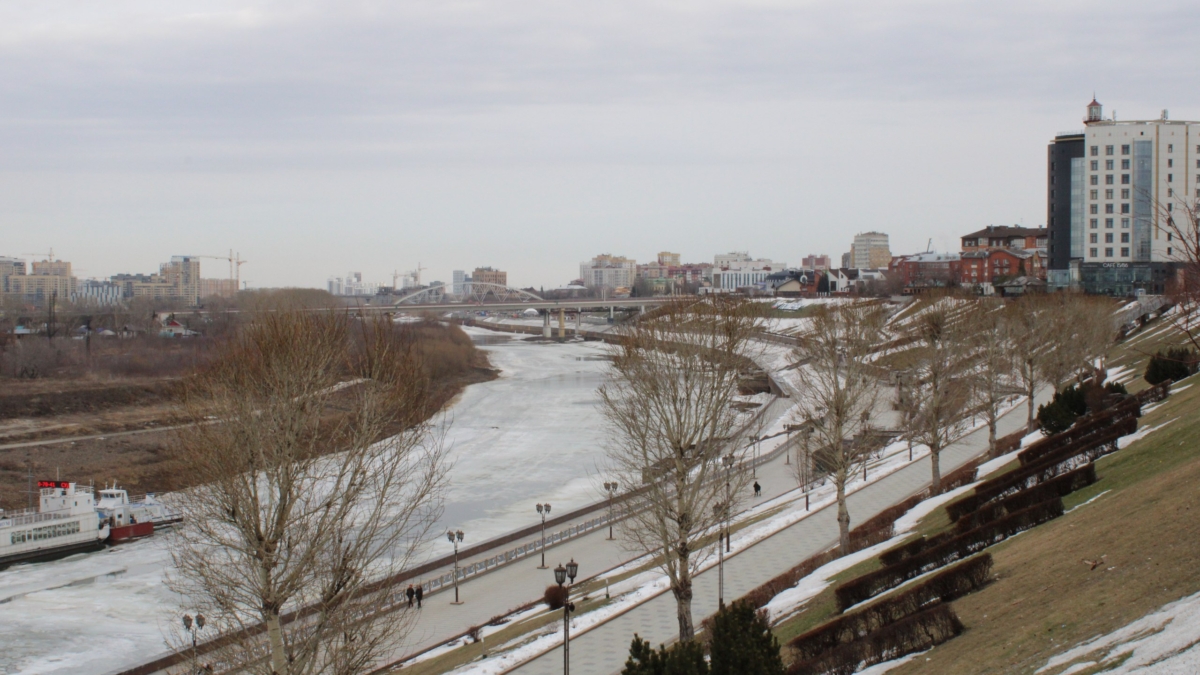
(546, 324)
(562, 322)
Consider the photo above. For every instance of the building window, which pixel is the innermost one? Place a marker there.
(1095, 252)
(1095, 209)
(1124, 179)
(1170, 177)
(1124, 193)
(1170, 207)
(1095, 150)
(1124, 251)
(1108, 179)
(1095, 221)
(1170, 147)
(1170, 163)
(1125, 208)
(1108, 208)
(1108, 223)
(1108, 164)
(1125, 223)
(1094, 239)
(1170, 192)
(1124, 149)
(1108, 149)
(1169, 251)
(1095, 179)
(1124, 237)
(1108, 194)
(1108, 252)
(1124, 164)
(1096, 193)
(1108, 238)
(1095, 164)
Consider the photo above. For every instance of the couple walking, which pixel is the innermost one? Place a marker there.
(415, 593)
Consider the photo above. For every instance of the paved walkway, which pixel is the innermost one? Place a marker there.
(603, 650)
(496, 593)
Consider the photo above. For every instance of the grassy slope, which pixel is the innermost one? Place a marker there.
(1045, 599)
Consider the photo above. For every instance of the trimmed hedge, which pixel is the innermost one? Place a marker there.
(1086, 425)
(1034, 454)
(1061, 485)
(869, 585)
(915, 633)
(1050, 468)
(905, 551)
(951, 584)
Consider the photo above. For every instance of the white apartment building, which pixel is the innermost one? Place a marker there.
(458, 282)
(1135, 174)
(870, 251)
(608, 271)
(737, 269)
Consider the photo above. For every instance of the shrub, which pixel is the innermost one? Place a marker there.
(869, 585)
(555, 596)
(683, 658)
(1172, 364)
(1059, 414)
(916, 633)
(905, 551)
(741, 643)
(1123, 416)
(955, 582)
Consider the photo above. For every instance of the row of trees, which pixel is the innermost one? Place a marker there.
(955, 361)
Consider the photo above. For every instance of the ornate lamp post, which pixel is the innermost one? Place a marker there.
(611, 488)
(719, 513)
(455, 537)
(728, 461)
(543, 510)
(561, 574)
(193, 627)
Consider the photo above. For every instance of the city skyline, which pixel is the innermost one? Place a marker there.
(325, 138)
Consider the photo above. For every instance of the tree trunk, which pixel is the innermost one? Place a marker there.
(683, 604)
(1031, 418)
(843, 514)
(275, 631)
(992, 433)
(935, 460)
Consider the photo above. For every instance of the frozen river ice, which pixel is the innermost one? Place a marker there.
(533, 434)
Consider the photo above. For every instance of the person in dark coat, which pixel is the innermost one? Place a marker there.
(410, 593)
(420, 593)
(757, 489)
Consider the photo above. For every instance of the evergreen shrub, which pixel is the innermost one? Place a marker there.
(1174, 364)
(741, 643)
(682, 658)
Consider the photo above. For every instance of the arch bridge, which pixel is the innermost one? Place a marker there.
(476, 291)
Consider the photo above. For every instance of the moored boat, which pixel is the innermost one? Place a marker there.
(132, 518)
(64, 522)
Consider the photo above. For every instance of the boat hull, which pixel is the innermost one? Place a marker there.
(127, 532)
(46, 554)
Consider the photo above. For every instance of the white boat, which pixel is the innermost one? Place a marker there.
(64, 522)
(131, 518)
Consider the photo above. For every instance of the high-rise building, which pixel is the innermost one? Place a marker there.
(46, 279)
(816, 262)
(668, 259)
(458, 281)
(183, 274)
(608, 271)
(1111, 188)
(487, 275)
(870, 251)
(10, 267)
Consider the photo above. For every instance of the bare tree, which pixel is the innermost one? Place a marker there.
(1029, 327)
(668, 401)
(992, 366)
(939, 401)
(317, 477)
(839, 393)
(1181, 220)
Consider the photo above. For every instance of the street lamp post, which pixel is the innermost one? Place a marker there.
(719, 513)
(455, 537)
(728, 461)
(561, 574)
(611, 488)
(193, 627)
(543, 510)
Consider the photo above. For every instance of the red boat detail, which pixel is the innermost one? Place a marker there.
(131, 531)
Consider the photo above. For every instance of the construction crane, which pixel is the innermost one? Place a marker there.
(419, 269)
(929, 246)
(47, 256)
(235, 266)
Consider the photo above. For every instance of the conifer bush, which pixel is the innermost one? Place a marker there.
(1059, 414)
(682, 658)
(1172, 364)
(741, 643)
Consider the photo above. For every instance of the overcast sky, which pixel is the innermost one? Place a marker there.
(322, 137)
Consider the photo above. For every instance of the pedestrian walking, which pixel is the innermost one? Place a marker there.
(757, 489)
(420, 593)
(410, 593)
